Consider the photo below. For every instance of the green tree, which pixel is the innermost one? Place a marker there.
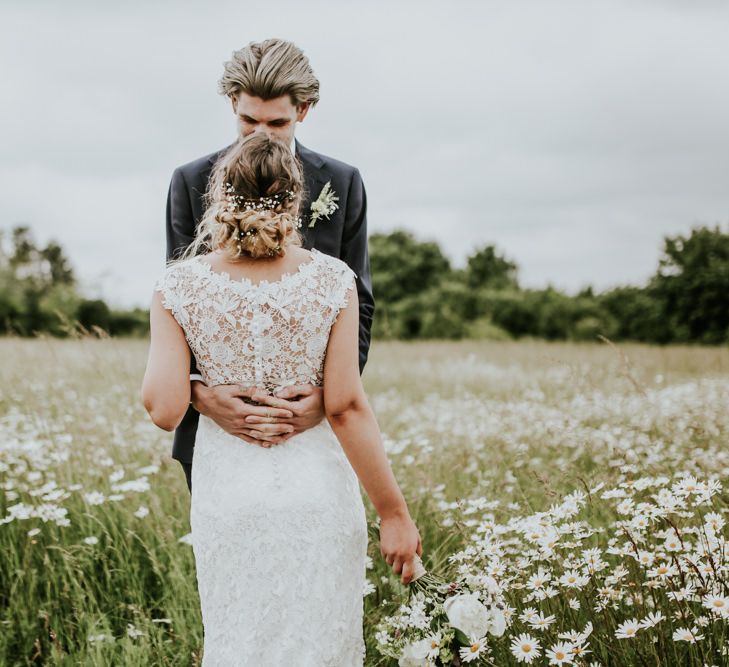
(94, 313)
(637, 314)
(692, 285)
(402, 266)
(487, 268)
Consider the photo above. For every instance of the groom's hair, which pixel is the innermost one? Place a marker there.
(270, 69)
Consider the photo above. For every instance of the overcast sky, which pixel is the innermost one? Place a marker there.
(573, 135)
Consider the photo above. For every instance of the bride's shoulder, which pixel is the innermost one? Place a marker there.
(181, 265)
(335, 266)
(179, 270)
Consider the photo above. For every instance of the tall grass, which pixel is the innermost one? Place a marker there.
(92, 566)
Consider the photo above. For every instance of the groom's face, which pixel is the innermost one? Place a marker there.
(277, 117)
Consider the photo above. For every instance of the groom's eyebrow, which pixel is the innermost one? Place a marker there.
(250, 119)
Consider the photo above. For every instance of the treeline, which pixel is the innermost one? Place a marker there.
(39, 295)
(419, 295)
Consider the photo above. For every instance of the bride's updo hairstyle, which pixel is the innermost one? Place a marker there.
(253, 199)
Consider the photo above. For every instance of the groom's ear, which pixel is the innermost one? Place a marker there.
(301, 111)
(234, 103)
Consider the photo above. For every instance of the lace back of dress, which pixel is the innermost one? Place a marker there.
(269, 334)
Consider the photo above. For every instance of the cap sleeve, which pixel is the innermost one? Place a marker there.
(170, 286)
(345, 283)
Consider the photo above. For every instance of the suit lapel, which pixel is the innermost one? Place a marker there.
(315, 178)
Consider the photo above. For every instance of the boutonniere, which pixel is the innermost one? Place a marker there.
(325, 204)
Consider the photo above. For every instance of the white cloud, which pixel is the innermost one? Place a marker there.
(573, 134)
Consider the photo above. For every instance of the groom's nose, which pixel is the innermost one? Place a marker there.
(262, 129)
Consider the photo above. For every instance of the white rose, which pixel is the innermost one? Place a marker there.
(465, 612)
(415, 654)
(498, 622)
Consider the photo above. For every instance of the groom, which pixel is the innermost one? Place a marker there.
(271, 87)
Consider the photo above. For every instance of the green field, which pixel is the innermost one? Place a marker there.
(488, 441)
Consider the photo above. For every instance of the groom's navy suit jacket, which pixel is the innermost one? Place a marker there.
(343, 235)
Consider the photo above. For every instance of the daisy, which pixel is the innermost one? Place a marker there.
(645, 558)
(94, 498)
(580, 650)
(560, 654)
(472, 652)
(662, 571)
(639, 522)
(718, 604)
(687, 485)
(541, 622)
(573, 579)
(686, 635)
(434, 645)
(525, 648)
(539, 579)
(685, 593)
(527, 614)
(672, 542)
(653, 619)
(714, 521)
(628, 630)
(574, 637)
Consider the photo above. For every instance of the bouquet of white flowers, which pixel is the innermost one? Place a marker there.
(444, 623)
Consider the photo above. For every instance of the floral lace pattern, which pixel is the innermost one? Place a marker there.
(279, 534)
(270, 334)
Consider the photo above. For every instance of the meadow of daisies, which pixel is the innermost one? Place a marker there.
(570, 498)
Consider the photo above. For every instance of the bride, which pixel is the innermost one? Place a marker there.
(279, 532)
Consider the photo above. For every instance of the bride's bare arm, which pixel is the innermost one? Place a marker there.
(166, 384)
(351, 417)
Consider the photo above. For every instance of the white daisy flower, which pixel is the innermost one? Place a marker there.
(653, 619)
(686, 635)
(628, 629)
(718, 604)
(560, 654)
(525, 648)
(541, 622)
(94, 498)
(473, 651)
(573, 579)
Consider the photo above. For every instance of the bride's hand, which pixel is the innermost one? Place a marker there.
(307, 411)
(399, 542)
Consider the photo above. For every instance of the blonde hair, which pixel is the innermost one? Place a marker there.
(270, 69)
(256, 166)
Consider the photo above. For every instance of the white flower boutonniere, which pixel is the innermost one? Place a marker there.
(325, 204)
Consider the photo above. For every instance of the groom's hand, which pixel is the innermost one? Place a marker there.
(222, 403)
(304, 401)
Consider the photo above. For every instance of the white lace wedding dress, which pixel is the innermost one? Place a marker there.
(279, 534)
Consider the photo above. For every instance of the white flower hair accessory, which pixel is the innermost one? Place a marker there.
(235, 201)
(325, 204)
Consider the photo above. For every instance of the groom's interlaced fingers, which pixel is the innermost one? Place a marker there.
(275, 419)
